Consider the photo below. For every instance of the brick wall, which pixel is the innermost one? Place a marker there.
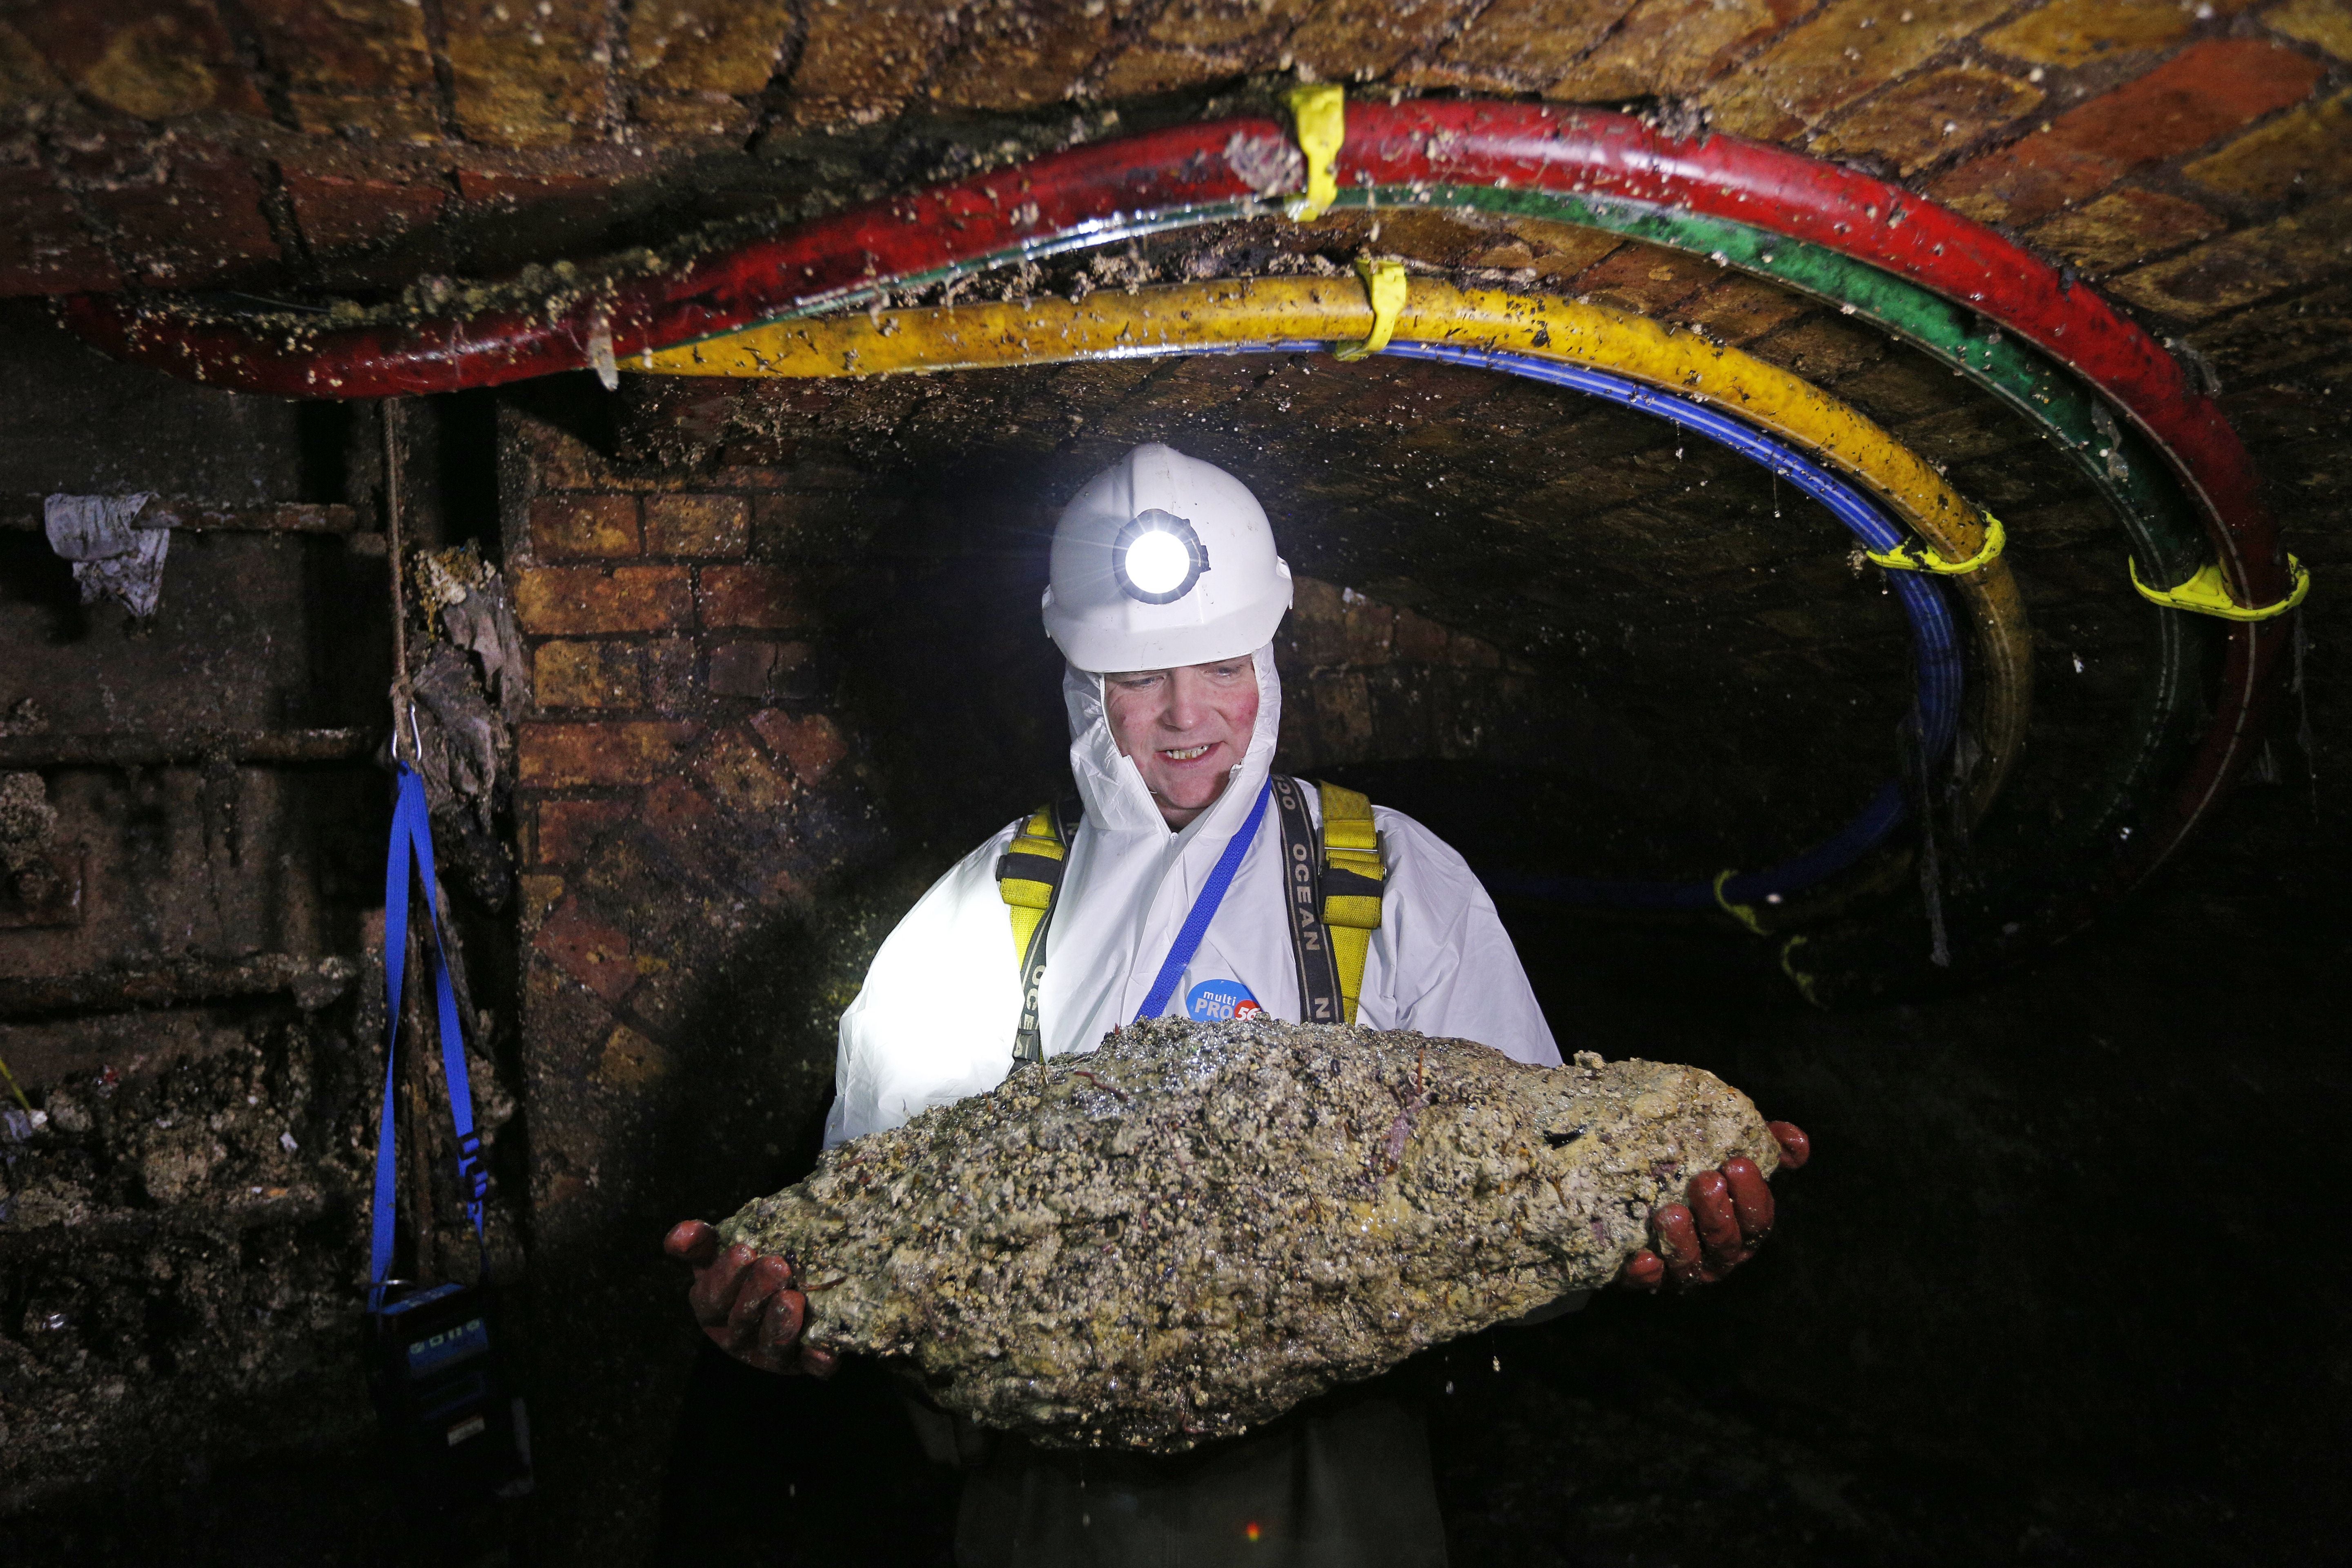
(682, 788)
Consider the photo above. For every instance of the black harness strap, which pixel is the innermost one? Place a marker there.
(1310, 940)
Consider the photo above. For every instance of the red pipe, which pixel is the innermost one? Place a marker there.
(1472, 142)
(1425, 143)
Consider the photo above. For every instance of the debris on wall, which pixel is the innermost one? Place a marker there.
(28, 824)
(117, 545)
(471, 685)
(180, 1240)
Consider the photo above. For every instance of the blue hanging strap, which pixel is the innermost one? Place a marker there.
(1205, 909)
(411, 843)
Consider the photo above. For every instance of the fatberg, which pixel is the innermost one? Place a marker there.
(1188, 1231)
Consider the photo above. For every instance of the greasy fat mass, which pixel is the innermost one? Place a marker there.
(1186, 1232)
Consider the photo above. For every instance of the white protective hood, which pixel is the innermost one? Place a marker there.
(1127, 887)
(936, 1019)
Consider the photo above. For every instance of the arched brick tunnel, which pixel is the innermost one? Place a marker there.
(2055, 1286)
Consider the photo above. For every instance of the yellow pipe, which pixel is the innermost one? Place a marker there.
(1113, 323)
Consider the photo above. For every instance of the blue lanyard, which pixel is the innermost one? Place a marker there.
(1205, 909)
(412, 841)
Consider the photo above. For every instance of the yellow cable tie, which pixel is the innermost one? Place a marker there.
(1912, 556)
(1804, 982)
(1744, 913)
(1385, 282)
(12, 1088)
(2208, 593)
(1319, 111)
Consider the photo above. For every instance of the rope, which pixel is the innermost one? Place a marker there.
(402, 699)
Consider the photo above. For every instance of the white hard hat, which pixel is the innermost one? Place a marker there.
(1163, 559)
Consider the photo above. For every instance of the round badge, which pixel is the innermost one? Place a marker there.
(1212, 1001)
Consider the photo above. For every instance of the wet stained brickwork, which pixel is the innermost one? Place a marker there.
(193, 1008)
(2048, 1294)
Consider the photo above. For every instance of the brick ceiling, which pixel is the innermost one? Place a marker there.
(2196, 155)
(2193, 160)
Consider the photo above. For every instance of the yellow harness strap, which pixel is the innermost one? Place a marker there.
(1028, 875)
(1353, 882)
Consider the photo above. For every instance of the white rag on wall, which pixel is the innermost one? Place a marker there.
(116, 543)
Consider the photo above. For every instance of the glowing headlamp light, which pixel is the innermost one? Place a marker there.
(1158, 557)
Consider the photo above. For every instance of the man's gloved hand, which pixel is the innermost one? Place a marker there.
(746, 1304)
(1727, 1217)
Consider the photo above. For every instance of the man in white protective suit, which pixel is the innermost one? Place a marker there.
(1165, 594)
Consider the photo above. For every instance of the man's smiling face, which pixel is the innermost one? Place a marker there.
(1186, 728)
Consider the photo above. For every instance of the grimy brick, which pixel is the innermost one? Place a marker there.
(701, 841)
(1914, 123)
(1519, 45)
(527, 74)
(630, 1060)
(205, 223)
(759, 598)
(2307, 152)
(156, 61)
(2240, 269)
(1737, 308)
(542, 891)
(349, 44)
(565, 828)
(681, 116)
(567, 674)
(45, 248)
(697, 525)
(741, 776)
(1668, 47)
(568, 526)
(1221, 24)
(392, 117)
(2323, 24)
(1146, 69)
(812, 744)
(616, 752)
(586, 600)
(2202, 93)
(338, 212)
(589, 949)
(1848, 49)
(1645, 278)
(1358, 42)
(740, 668)
(1019, 54)
(1195, 41)
(2071, 33)
(707, 46)
(673, 686)
(860, 62)
(2125, 226)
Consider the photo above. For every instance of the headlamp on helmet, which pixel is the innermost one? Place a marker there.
(1158, 557)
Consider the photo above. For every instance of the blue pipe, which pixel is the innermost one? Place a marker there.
(1935, 637)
